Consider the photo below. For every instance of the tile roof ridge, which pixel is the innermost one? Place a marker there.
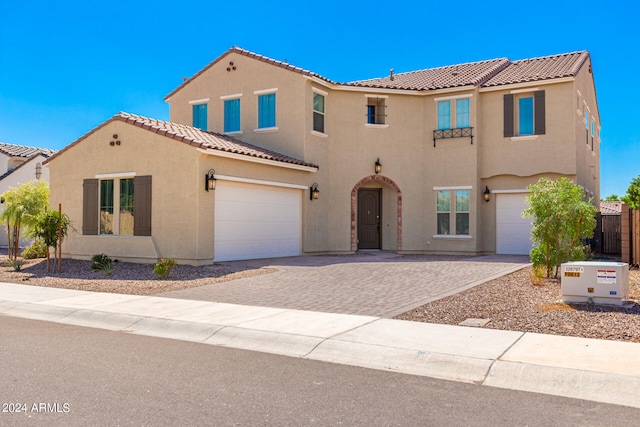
(43, 150)
(556, 55)
(249, 54)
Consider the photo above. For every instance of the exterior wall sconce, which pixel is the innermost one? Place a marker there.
(38, 170)
(378, 166)
(314, 193)
(210, 180)
(487, 194)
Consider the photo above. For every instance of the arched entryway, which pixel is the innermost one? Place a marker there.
(354, 208)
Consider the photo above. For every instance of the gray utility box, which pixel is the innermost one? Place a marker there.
(596, 282)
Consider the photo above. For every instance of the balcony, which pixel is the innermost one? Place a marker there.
(452, 133)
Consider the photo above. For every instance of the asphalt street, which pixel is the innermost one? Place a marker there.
(56, 374)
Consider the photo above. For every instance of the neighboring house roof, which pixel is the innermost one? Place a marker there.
(542, 68)
(18, 167)
(472, 73)
(611, 208)
(257, 56)
(193, 137)
(24, 151)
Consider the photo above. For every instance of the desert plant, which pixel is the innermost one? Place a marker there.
(164, 267)
(37, 249)
(102, 262)
(17, 264)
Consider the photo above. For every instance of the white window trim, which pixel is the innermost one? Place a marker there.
(233, 96)
(448, 98)
(235, 132)
(318, 91)
(454, 188)
(266, 130)
(319, 134)
(375, 126)
(265, 91)
(368, 95)
(524, 137)
(452, 236)
(115, 175)
(199, 101)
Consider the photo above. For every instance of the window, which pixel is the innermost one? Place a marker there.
(527, 115)
(462, 212)
(232, 115)
(318, 112)
(106, 206)
(102, 198)
(376, 110)
(462, 113)
(453, 212)
(267, 111)
(126, 206)
(444, 115)
(444, 209)
(593, 128)
(200, 116)
(586, 119)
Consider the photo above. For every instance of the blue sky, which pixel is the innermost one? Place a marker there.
(67, 66)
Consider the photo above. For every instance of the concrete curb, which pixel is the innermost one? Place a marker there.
(598, 370)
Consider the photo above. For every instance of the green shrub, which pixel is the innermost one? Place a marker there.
(102, 262)
(17, 264)
(37, 249)
(164, 267)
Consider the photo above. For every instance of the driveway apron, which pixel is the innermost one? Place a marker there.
(375, 283)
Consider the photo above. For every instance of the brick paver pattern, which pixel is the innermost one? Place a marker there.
(371, 283)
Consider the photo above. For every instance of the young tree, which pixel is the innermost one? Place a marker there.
(611, 198)
(21, 208)
(632, 198)
(561, 217)
(52, 227)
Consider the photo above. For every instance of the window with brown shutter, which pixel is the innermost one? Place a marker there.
(90, 207)
(142, 206)
(508, 115)
(539, 115)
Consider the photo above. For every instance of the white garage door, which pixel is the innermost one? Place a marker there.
(513, 233)
(256, 221)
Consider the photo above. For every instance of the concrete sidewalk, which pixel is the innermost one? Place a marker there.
(598, 370)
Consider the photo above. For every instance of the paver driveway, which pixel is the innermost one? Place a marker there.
(368, 283)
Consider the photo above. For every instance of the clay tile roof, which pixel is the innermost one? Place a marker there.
(24, 151)
(471, 73)
(196, 138)
(542, 68)
(253, 55)
(611, 208)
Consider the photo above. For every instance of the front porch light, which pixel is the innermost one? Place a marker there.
(487, 194)
(378, 166)
(210, 180)
(314, 192)
(38, 170)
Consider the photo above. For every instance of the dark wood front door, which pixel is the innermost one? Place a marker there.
(369, 218)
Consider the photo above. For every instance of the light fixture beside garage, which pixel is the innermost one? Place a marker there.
(314, 193)
(378, 166)
(210, 180)
(38, 170)
(487, 194)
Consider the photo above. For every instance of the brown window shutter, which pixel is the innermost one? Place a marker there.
(90, 208)
(142, 206)
(538, 105)
(508, 115)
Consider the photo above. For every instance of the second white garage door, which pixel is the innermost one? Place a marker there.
(513, 232)
(256, 221)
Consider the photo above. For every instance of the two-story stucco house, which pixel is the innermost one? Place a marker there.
(430, 161)
(20, 164)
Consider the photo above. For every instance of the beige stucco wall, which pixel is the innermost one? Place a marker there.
(249, 76)
(182, 211)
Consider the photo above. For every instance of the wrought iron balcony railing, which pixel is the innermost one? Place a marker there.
(452, 133)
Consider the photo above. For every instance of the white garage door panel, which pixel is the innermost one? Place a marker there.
(513, 233)
(256, 221)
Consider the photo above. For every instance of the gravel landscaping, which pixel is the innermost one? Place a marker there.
(511, 302)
